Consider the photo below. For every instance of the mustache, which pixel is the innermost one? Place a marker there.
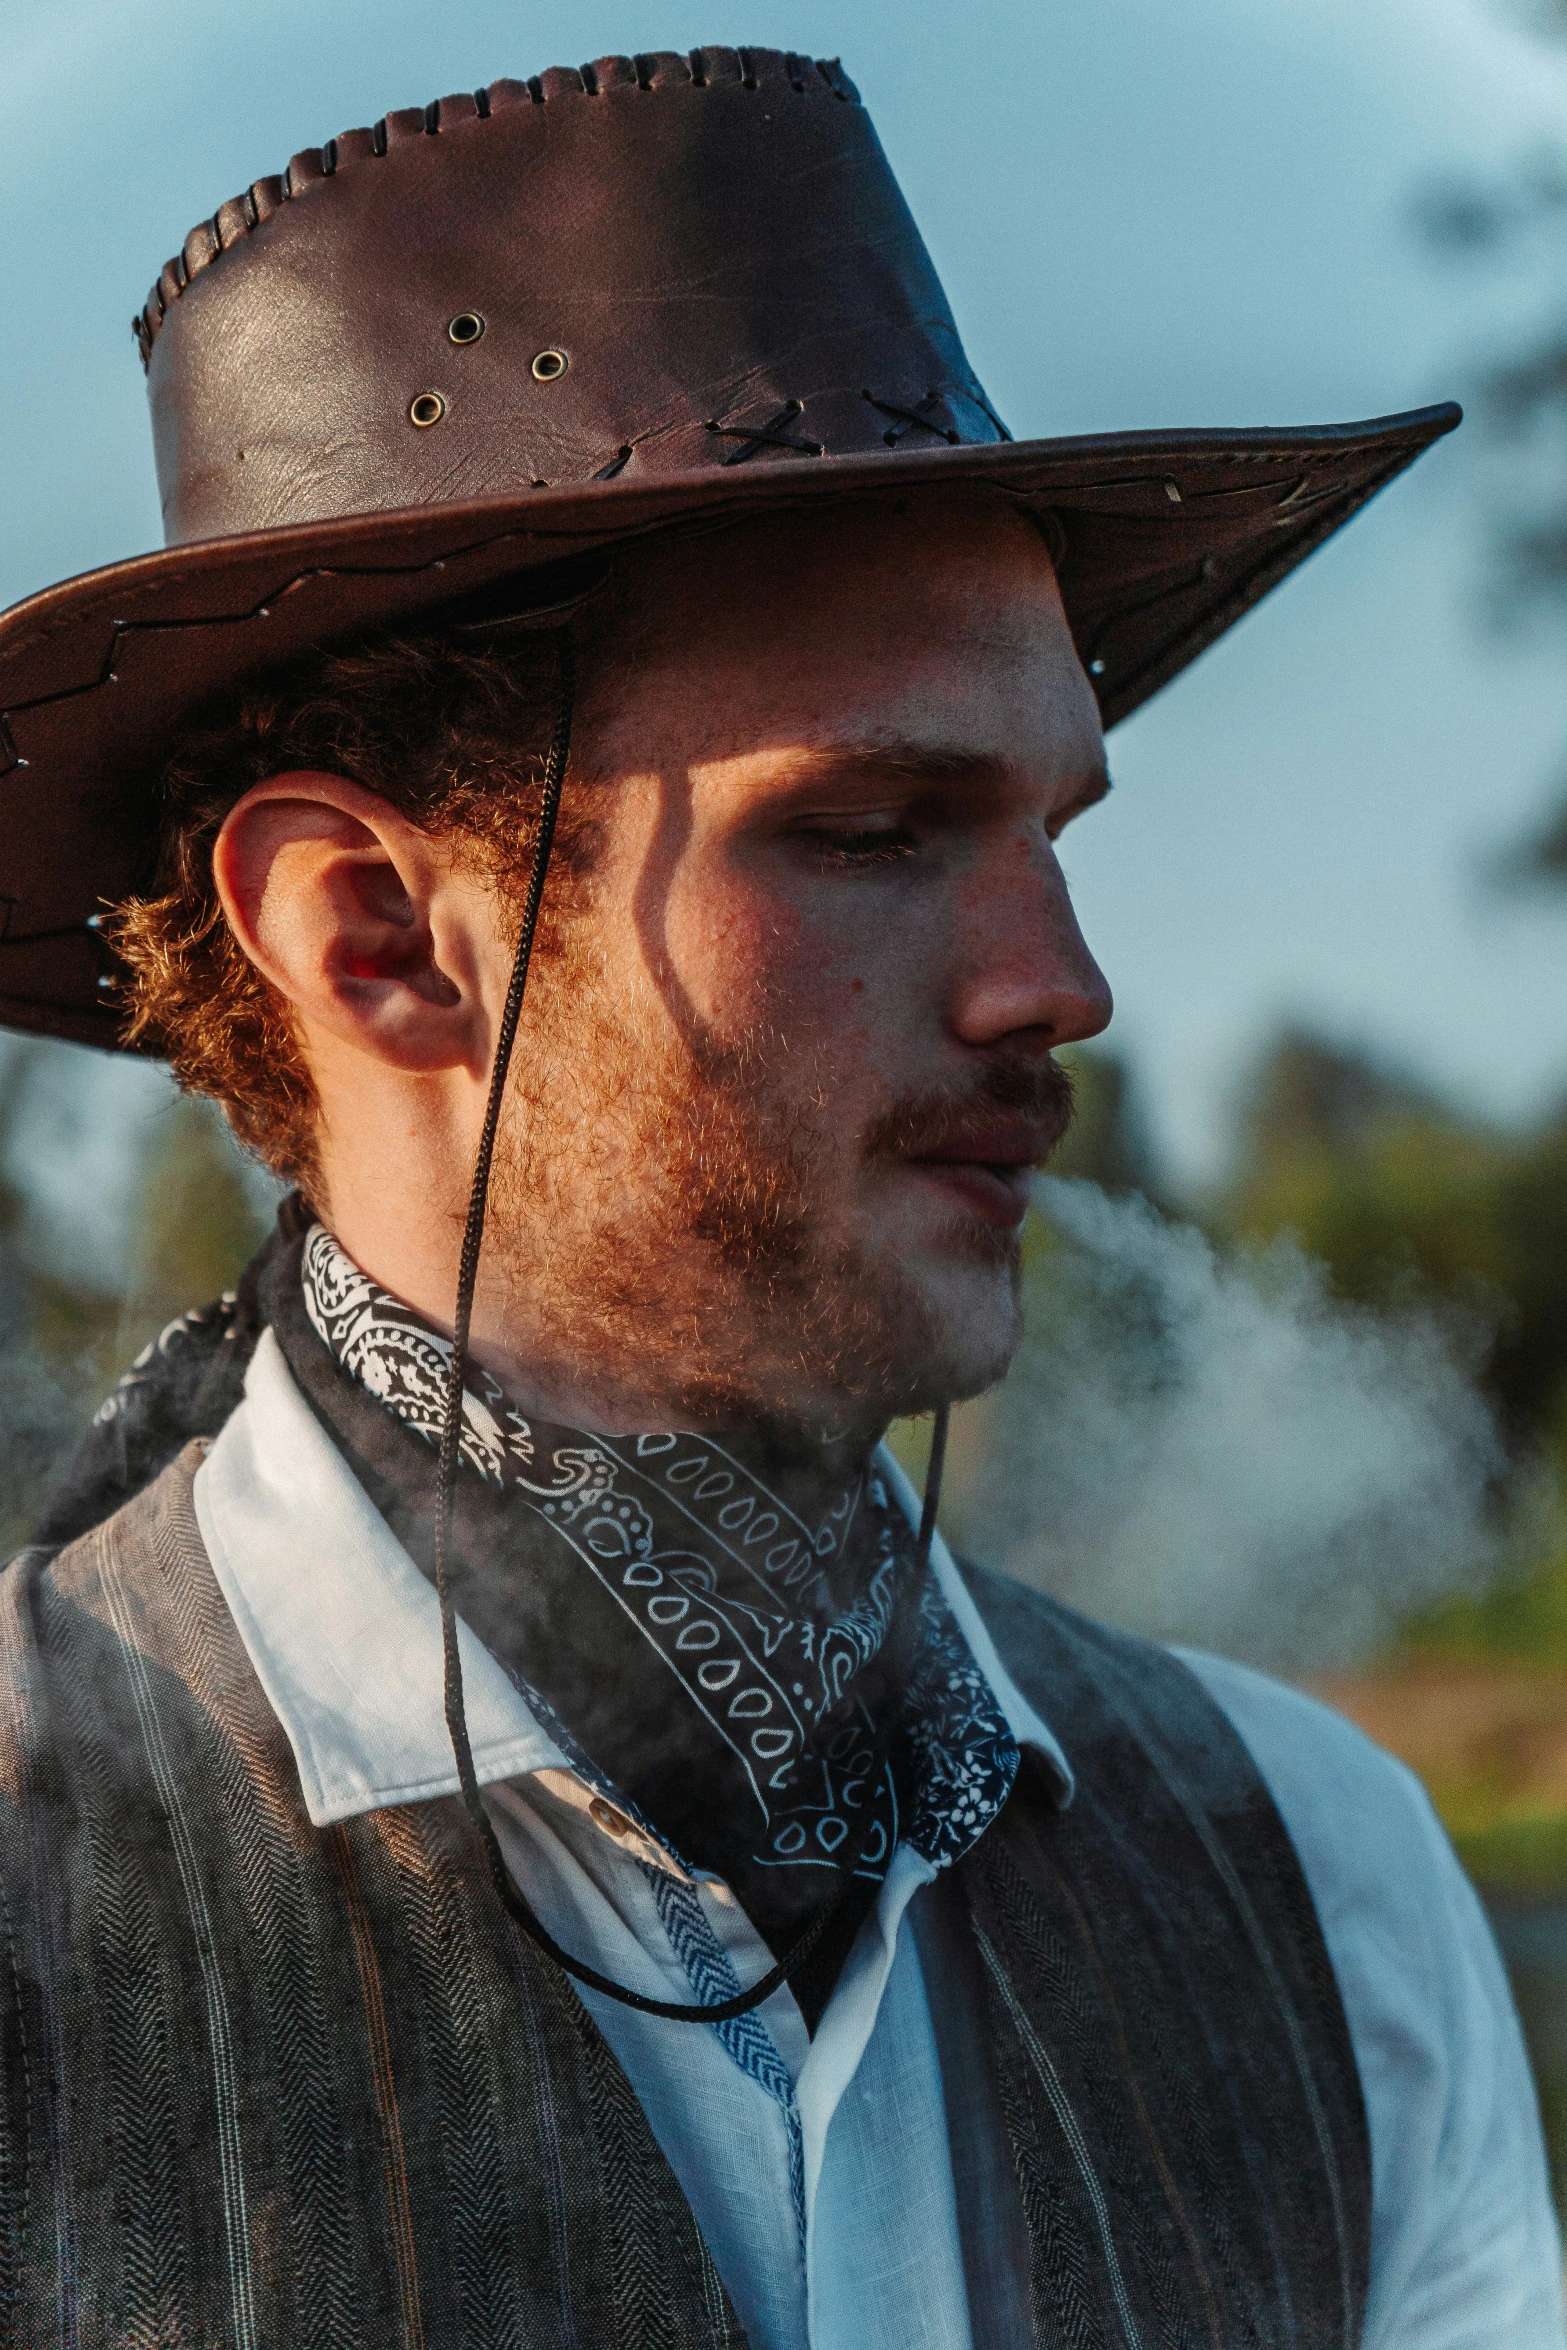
(1039, 1093)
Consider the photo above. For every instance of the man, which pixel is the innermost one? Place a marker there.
(596, 570)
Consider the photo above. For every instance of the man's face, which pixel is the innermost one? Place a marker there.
(778, 1095)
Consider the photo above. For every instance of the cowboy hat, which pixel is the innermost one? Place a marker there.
(494, 335)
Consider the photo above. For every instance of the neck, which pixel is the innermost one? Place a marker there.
(809, 1466)
(717, 1377)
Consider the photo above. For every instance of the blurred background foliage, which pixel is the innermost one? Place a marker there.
(73, 1314)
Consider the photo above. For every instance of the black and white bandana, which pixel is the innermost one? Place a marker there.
(792, 1651)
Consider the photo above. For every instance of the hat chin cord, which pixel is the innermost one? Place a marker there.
(511, 1895)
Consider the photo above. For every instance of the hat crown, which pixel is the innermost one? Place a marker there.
(647, 266)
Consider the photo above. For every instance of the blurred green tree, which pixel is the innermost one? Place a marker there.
(1397, 1190)
(49, 1328)
(1523, 400)
(65, 1336)
(1399, 1193)
(197, 1218)
(1109, 1141)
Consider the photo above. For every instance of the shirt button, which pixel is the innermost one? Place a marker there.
(605, 1816)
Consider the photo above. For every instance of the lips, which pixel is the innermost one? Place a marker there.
(987, 1167)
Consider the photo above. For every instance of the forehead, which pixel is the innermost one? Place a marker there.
(877, 619)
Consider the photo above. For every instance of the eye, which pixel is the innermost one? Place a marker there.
(848, 847)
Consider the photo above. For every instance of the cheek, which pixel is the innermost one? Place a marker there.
(741, 957)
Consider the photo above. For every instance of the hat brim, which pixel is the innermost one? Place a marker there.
(1167, 539)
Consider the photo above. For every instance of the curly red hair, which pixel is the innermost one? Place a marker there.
(452, 731)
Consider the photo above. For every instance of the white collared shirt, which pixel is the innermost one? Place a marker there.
(819, 2169)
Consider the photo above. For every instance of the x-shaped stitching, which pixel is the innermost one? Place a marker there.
(905, 418)
(764, 436)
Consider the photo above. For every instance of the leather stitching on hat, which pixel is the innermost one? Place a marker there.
(753, 69)
(765, 436)
(906, 420)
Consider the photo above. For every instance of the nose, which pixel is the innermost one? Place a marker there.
(1023, 964)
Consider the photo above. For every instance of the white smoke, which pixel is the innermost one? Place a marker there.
(1213, 1448)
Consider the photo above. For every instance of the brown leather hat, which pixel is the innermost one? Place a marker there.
(518, 326)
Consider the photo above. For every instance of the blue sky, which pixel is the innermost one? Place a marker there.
(1145, 215)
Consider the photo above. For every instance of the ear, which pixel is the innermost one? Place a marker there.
(364, 924)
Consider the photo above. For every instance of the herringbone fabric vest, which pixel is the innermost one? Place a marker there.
(273, 2087)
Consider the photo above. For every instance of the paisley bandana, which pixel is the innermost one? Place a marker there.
(800, 1670)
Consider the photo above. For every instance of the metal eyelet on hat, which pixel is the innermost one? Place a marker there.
(549, 365)
(466, 327)
(429, 408)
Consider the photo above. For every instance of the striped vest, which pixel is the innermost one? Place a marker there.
(275, 2087)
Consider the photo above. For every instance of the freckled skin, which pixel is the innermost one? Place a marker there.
(826, 764)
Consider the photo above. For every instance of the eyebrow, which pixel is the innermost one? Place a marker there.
(913, 763)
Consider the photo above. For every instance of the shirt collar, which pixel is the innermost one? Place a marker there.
(344, 1631)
